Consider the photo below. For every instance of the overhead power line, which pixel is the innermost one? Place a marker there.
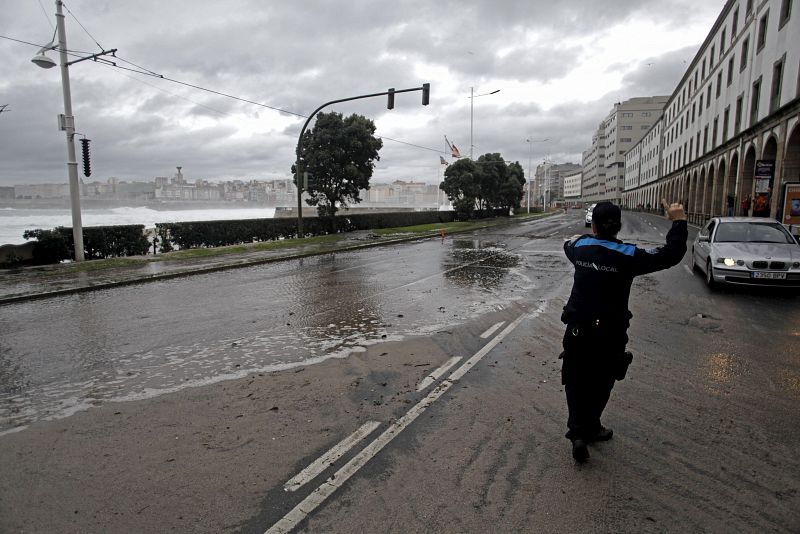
(147, 72)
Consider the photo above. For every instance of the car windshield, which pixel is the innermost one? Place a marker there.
(751, 232)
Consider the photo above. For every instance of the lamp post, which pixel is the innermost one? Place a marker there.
(530, 176)
(68, 125)
(472, 97)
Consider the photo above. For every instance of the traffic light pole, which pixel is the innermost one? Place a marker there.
(426, 88)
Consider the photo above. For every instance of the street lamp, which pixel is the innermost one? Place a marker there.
(472, 97)
(530, 176)
(67, 124)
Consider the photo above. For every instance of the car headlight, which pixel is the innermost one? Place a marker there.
(796, 264)
(730, 262)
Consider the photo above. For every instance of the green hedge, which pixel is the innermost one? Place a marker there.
(99, 242)
(53, 246)
(221, 233)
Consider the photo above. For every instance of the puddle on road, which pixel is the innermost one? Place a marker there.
(486, 264)
(722, 371)
(316, 330)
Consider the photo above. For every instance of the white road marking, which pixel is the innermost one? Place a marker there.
(492, 329)
(326, 489)
(688, 270)
(324, 461)
(434, 376)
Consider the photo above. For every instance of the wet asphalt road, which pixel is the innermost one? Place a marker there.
(706, 423)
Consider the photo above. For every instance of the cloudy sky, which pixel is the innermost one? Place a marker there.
(559, 66)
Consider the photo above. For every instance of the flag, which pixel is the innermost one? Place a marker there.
(449, 146)
(442, 161)
(453, 150)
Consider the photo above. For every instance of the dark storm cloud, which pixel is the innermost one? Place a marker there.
(659, 75)
(295, 56)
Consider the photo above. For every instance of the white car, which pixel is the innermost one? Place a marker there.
(588, 217)
(747, 250)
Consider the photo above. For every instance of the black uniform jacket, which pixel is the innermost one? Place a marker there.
(604, 271)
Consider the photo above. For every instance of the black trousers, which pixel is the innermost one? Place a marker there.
(587, 373)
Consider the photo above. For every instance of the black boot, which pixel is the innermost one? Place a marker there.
(580, 451)
(604, 434)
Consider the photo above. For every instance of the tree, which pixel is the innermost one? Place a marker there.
(512, 190)
(492, 174)
(339, 154)
(460, 186)
(484, 184)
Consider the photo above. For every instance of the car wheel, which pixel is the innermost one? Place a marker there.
(709, 275)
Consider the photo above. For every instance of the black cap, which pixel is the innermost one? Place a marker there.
(606, 212)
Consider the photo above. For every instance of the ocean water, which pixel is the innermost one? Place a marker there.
(13, 221)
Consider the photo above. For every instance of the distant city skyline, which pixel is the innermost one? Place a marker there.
(554, 84)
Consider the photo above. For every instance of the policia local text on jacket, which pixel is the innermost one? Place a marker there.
(597, 315)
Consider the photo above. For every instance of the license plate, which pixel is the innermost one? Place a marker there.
(771, 276)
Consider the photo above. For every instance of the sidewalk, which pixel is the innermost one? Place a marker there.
(29, 283)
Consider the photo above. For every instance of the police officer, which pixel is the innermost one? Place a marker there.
(597, 315)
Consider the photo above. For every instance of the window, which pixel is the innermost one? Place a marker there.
(705, 138)
(627, 127)
(749, 7)
(777, 79)
(762, 32)
(695, 81)
(735, 23)
(711, 58)
(624, 140)
(703, 71)
(745, 46)
(725, 122)
(755, 98)
(722, 42)
(698, 144)
(627, 114)
(708, 96)
(719, 83)
(646, 113)
(786, 12)
(700, 107)
(737, 121)
(714, 132)
(694, 107)
(645, 127)
(730, 69)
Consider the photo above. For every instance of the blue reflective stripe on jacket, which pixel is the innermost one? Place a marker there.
(626, 249)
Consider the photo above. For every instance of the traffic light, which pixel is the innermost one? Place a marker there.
(390, 103)
(87, 167)
(426, 94)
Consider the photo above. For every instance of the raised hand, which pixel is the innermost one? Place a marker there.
(673, 211)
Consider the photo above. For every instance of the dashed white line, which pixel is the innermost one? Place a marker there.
(434, 376)
(318, 496)
(336, 452)
(492, 329)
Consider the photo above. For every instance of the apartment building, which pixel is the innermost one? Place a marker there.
(548, 181)
(572, 187)
(735, 109)
(594, 166)
(643, 161)
(623, 128)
